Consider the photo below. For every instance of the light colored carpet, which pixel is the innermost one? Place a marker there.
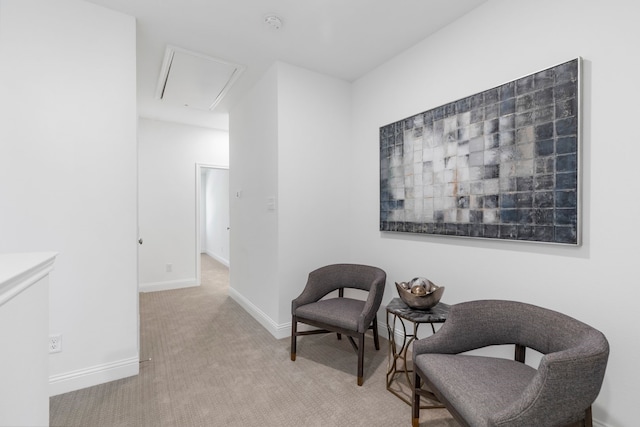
(212, 364)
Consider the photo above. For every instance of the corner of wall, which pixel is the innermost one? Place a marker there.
(279, 331)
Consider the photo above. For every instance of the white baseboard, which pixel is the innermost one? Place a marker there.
(168, 285)
(278, 331)
(218, 258)
(100, 374)
(597, 423)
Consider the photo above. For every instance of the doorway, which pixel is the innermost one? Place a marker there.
(212, 211)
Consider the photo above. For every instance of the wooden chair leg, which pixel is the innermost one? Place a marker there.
(340, 295)
(361, 358)
(294, 332)
(415, 401)
(376, 339)
(588, 420)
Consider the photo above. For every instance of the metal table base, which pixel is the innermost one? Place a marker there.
(399, 380)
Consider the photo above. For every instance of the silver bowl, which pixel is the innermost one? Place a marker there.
(420, 302)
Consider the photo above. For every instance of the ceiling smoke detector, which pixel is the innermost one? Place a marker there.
(273, 21)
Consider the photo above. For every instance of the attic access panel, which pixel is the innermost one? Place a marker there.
(500, 164)
(194, 80)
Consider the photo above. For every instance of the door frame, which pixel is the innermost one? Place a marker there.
(198, 248)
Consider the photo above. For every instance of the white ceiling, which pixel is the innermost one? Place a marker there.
(340, 38)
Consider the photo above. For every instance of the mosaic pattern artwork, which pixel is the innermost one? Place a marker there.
(500, 164)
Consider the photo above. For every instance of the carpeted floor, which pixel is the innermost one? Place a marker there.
(212, 364)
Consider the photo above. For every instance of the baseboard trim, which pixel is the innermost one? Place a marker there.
(168, 285)
(278, 331)
(597, 423)
(88, 377)
(218, 258)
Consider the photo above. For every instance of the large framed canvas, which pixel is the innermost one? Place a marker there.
(500, 164)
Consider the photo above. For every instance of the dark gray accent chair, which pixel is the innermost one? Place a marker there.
(487, 391)
(341, 315)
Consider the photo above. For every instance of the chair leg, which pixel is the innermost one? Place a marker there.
(360, 359)
(376, 339)
(415, 407)
(340, 295)
(294, 332)
(588, 420)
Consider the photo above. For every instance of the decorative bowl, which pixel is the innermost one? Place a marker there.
(420, 293)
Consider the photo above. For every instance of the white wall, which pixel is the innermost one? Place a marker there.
(297, 157)
(253, 176)
(24, 327)
(500, 41)
(216, 214)
(68, 174)
(168, 154)
(314, 123)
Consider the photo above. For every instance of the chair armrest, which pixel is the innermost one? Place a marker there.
(309, 294)
(372, 304)
(469, 326)
(320, 282)
(545, 401)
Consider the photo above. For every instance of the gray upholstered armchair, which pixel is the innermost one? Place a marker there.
(348, 316)
(487, 391)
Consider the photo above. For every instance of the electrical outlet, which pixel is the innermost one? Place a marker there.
(169, 268)
(55, 343)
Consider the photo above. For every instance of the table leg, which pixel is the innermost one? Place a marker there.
(398, 354)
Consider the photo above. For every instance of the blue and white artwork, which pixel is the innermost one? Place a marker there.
(500, 164)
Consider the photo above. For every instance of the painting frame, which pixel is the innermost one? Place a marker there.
(501, 164)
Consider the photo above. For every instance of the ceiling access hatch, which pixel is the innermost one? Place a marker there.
(195, 80)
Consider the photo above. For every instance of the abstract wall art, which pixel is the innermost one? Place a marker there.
(500, 164)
